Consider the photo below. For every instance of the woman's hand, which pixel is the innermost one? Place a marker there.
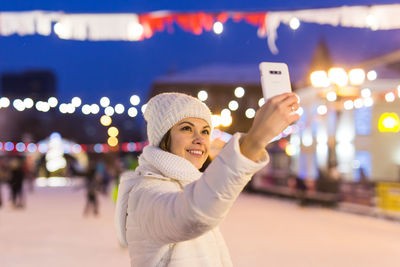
(270, 120)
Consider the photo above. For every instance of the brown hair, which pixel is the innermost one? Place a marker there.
(165, 145)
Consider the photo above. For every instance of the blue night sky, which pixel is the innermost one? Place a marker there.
(119, 69)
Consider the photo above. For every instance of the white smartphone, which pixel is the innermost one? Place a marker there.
(275, 79)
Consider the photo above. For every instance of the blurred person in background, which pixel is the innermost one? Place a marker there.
(30, 172)
(4, 175)
(300, 188)
(104, 176)
(168, 211)
(16, 182)
(92, 185)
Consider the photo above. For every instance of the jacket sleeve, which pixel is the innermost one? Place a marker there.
(174, 216)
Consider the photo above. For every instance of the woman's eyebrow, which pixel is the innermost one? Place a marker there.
(191, 124)
(186, 122)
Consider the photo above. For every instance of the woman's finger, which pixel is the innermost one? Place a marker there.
(293, 117)
(294, 107)
(281, 97)
(290, 101)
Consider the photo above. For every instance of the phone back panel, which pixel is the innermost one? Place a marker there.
(275, 79)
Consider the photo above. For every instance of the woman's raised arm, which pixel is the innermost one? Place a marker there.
(270, 120)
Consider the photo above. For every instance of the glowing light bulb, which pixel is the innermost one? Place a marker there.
(233, 105)
(322, 110)
(366, 92)
(119, 108)
(261, 102)
(135, 100)
(76, 101)
(64, 108)
(290, 150)
(250, 113)
(62, 30)
(132, 112)
(70, 108)
(390, 97)
(389, 122)
(109, 111)
(218, 27)
(294, 23)
(4, 102)
(19, 105)
(53, 102)
(113, 131)
(86, 109)
(348, 105)
(226, 121)
(331, 96)
(372, 75)
(319, 79)
(216, 120)
(112, 141)
(45, 107)
(357, 76)
(143, 109)
(225, 112)
(202, 95)
(135, 31)
(105, 120)
(28, 102)
(239, 92)
(104, 101)
(338, 76)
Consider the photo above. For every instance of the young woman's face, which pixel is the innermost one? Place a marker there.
(190, 139)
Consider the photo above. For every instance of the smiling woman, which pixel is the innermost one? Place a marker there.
(168, 211)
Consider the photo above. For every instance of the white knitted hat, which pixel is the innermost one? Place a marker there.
(164, 110)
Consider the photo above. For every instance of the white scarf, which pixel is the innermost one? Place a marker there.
(152, 162)
(170, 165)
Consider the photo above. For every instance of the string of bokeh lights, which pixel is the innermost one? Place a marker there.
(71, 149)
(224, 119)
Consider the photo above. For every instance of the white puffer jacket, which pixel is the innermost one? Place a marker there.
(168, 212)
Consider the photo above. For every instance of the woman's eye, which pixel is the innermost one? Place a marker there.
(186, 128)
(206, 132)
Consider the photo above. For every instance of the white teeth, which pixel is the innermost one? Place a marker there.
(195, 152)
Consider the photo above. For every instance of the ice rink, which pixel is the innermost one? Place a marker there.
(260, 231)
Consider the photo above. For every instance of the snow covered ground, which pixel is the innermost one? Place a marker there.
(260, 231)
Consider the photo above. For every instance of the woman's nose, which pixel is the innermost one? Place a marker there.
(198, 139)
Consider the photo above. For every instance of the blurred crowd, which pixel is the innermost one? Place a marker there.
(100, 176)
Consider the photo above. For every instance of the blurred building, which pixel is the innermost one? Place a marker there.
(38, 85)
(349, 129)
(32, 125)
